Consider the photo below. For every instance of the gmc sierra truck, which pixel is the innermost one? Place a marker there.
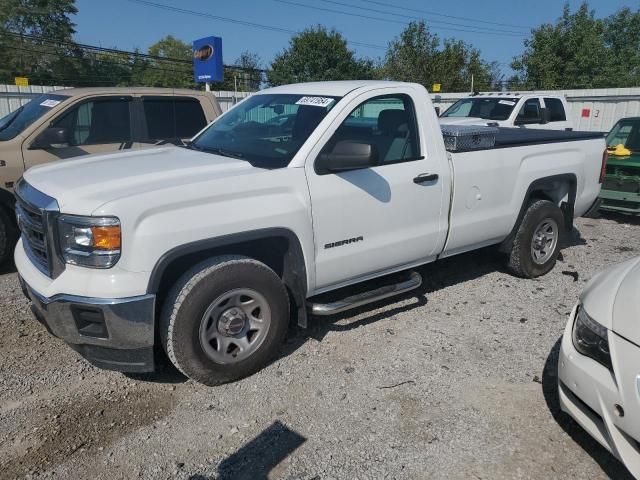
(506, 109)
(81, 121)
(209, 250)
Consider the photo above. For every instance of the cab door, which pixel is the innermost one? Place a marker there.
(557, 114)
(374, 220)
(94, 125)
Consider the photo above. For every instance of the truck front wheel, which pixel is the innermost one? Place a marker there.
(8, 235)
(537, 242)
(224, 319)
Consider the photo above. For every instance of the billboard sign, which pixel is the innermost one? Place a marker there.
(207, 60)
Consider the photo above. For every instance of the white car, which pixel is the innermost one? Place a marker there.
(545, 112)
(599, 364)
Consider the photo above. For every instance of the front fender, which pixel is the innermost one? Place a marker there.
(156, 223)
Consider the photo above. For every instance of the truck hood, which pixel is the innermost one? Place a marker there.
(612, 298)
(81, 185)
(466, 121)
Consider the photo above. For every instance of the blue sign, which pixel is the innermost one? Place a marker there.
(207, 60)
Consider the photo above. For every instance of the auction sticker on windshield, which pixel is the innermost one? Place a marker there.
(50, 103)
(315, 101)
(507, 102)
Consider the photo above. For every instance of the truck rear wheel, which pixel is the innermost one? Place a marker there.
(224, 319)
(536, 245)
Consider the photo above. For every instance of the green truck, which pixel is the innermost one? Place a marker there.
(621, 188)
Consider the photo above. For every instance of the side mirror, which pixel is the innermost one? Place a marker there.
(52, 137)
(347, 155)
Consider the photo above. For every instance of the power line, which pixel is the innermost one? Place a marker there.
(437, 14)
(331, 10)
(239, 22)
(413, 17)
(97, 49)
(103, 61)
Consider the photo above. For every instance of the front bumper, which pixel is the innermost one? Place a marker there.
(114, 334)
(590, 393)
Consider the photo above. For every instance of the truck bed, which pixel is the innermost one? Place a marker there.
(516, 137)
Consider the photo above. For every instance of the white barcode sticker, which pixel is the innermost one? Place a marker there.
(507, 102)
(315, 101)
(50, 103)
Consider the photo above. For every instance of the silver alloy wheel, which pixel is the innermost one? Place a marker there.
(234, 325)
(545, 239)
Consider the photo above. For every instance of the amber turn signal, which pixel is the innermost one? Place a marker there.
(106, 238)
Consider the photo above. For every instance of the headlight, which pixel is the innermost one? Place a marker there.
(89, 241)
(590, 338)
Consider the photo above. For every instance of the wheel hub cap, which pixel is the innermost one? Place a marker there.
(545, 239)
(235, 325)
(232, 322)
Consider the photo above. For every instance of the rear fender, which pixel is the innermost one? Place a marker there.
(559, 189)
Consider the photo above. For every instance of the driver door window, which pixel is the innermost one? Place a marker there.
(530, 112)
(98, 121)
(97, 125)
(388, 123)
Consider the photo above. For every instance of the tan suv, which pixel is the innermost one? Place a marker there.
(81, 121)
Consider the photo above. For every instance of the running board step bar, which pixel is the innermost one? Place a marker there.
(413, 282)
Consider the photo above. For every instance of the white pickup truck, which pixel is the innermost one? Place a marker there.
(522, 110)
(297, 191)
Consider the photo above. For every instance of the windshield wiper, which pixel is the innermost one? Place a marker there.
(219, 151)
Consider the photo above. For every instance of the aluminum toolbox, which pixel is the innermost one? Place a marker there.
(463, 138)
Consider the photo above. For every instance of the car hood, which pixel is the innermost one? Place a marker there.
(81, 185)
(612, 298)
(466, 121)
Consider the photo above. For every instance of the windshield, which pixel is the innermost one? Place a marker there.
(265, 130)
(13, 124)
(627, 133)
(487, 108)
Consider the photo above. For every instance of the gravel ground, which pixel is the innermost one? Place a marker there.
(456, 380)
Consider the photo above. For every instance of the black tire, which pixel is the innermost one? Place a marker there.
(191, 296)
(8, 236)
(521, 261)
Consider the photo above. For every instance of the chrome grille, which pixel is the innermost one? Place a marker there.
(33, 234)
(36, 212)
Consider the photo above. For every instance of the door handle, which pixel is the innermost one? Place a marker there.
(425, 177)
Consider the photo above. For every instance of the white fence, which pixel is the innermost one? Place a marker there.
(595, 110)
(11, 96)
(591, 110)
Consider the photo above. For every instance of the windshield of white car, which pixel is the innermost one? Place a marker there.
(482, 107)
(14, 123)
(265, 130)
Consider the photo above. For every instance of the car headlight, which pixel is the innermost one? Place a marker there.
(590, 338)
(89, 241)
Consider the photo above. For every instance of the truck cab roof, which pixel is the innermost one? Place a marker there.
(333, 89)
(85, 91)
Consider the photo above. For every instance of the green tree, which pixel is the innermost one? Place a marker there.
(622, 39)
(250, 70)
(36, 41)
(582, 51)
(317, 54)
(163, 73)
(417, 55)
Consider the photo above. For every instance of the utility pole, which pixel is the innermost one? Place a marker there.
(472, 83)
(235, 88)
